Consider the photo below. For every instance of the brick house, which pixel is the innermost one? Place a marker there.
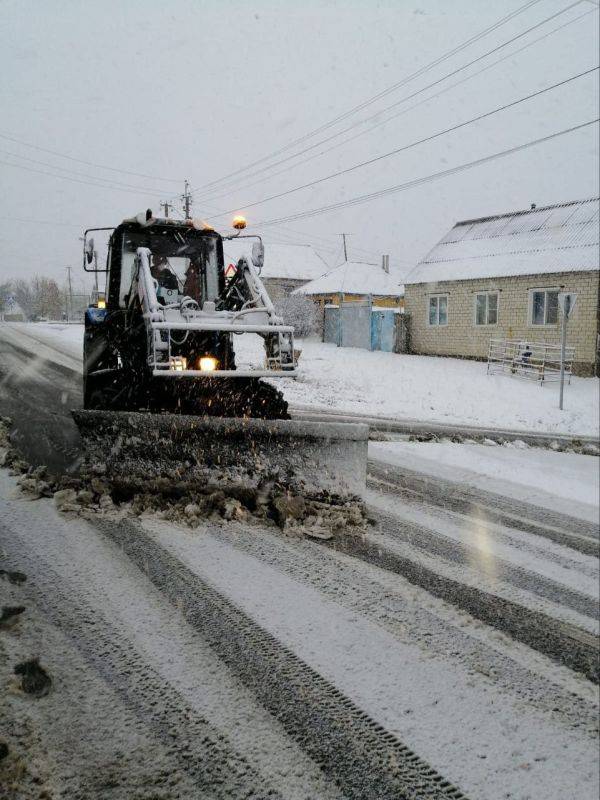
(500, 277)
(286, 267)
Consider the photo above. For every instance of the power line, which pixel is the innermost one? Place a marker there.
(376, 97)
(418, 91)
(407, 110)
(418, 181)
(81, 161)
(76, 180)
(109, 181)
(414, 144)
(41, 222)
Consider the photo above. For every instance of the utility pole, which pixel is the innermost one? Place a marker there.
(343, 235)
(166, 205)
(187, 200)
(566, 303)
(70, 305)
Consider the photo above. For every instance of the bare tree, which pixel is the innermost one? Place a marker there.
(24, 296)
(299, 311)
(39, 297)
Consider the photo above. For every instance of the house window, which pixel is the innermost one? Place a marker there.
(544, 307)
(438, 310)
(486, 308)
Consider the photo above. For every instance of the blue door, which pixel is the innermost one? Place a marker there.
(382, 329)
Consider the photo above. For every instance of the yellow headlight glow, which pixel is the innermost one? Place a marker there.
(208, 364)
(239, 222)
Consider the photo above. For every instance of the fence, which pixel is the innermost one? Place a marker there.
(359, 324)
(535, 360)
(355, 325)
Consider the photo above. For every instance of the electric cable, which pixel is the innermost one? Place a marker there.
(419, 181)
(412, 144)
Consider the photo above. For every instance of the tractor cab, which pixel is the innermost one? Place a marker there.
(169, 314)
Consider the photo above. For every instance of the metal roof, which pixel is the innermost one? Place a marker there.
(355, 277)
(559, 238)
(290, 261)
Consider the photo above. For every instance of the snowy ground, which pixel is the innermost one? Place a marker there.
(437, 390)
(403, 387)
(137, 615)
(564, 482)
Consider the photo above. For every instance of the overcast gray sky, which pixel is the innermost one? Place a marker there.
(199, 89)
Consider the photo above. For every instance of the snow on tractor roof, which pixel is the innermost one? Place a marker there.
(558, 238)
(355, 277)
(292, 261)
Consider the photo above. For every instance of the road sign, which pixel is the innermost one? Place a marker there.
(566, 302)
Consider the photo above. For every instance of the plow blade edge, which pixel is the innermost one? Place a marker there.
(170, 452)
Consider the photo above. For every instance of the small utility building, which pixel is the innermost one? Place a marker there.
(499, 277)
(286, 267)
(355, 281)
(358, 305)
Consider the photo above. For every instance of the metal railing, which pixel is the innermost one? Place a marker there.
(538, 361)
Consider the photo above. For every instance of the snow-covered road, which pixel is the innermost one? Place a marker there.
(233, 660)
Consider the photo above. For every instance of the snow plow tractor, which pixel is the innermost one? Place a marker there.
(164, 400)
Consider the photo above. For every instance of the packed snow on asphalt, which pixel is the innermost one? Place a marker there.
(447, 650)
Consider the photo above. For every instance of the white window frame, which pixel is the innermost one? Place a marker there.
(544, 325)
(487, 293)
(438, 324)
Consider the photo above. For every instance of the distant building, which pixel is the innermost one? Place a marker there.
(356, 281)
(500, 277)
(286, 267)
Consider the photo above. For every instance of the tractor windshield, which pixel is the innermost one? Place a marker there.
(183, 263)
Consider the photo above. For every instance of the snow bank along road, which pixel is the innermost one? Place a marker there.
(449, 651)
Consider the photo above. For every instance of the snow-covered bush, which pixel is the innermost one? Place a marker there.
(299, 311)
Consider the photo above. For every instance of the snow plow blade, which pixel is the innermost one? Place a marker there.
(172, 453)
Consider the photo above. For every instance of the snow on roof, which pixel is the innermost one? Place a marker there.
(355, 277)
(294, 261)
(559, 238)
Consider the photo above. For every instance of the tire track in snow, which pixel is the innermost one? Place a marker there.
(564, 643)
(202, 752)
(365, 760)
(414, 617)
(429, 490)
(437, 544)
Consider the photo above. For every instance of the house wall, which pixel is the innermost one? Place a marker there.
(278, 288)
(462, 337)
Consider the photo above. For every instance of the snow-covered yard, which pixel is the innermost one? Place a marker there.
(404, 387)
(437, 390)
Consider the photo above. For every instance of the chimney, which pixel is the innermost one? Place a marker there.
(385, 263)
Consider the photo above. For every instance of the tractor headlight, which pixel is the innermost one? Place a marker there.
(208, 364)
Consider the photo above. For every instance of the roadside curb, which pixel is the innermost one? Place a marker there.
(431, 431)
